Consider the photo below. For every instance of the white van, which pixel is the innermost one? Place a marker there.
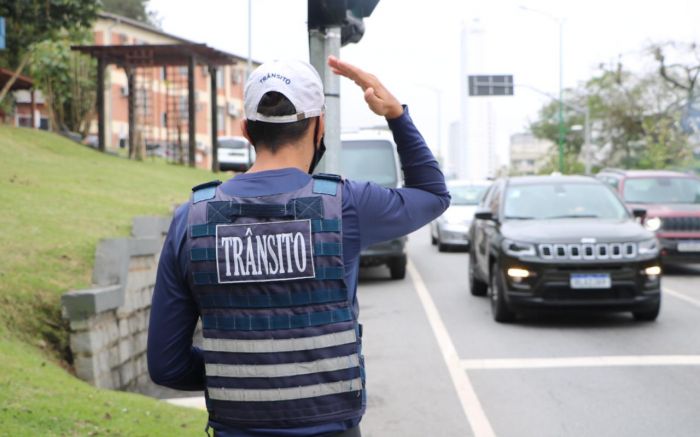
(371, 156)
(235, 154)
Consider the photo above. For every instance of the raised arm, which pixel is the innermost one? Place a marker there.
(389, 213)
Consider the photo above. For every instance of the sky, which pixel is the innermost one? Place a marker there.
(414, 47)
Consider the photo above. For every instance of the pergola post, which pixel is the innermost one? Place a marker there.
(33, 105)
(101, 104)
(131, 101)
(191, 112)
(214, 120)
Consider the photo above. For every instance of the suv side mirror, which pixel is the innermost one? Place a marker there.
(484, 214)
(639, 213)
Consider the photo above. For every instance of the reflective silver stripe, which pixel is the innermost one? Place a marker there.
(284, 394)
(279, 345)
(280, 370)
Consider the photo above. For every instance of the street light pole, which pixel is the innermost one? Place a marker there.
(560, 23)
(561, 95)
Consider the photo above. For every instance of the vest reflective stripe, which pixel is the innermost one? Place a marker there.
(284, 394)
(280, 345)
(281, 370)
(230, 300)
(317, 225)
(273, 322)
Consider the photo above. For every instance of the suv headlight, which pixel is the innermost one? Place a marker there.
(653, 224)
(649, 247)
(518, 248)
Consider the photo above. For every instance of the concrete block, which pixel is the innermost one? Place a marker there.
(85, 368)
(81, 304)
(115, 377)
(141, 365)
(83, 343)
(105, 380)
(140, 342)
(125, 349)
(150, 226)
(114, 356)
(111, 261)
(144, 246)
(126, 372)
(124, 329)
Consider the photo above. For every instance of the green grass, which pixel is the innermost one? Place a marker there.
(58, 200)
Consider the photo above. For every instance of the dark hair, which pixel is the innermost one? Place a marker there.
(272, 135)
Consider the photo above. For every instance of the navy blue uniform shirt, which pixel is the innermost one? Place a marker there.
(371, 214)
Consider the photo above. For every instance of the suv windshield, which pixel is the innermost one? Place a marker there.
(466, 194)
(371, 161)
(662, 190)
(232, 143)
(562, 200)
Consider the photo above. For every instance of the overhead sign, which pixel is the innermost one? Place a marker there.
(491, 85)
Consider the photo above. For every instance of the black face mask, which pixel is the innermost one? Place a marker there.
(318, 151)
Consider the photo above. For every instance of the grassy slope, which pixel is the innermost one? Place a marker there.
(58, 200)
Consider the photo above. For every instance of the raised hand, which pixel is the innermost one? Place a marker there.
(378, 98)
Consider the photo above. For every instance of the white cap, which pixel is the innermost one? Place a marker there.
(297, 80)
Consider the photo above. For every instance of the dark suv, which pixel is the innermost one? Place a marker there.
(562, 242)
(672, 202)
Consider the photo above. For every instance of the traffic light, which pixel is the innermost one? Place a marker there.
(347, 14)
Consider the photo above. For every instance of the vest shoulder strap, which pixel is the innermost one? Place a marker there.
(326, 183)
(205, 191)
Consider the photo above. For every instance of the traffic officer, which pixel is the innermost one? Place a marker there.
(269, 260)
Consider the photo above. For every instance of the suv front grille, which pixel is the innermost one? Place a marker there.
(588, 251)
(681, 224)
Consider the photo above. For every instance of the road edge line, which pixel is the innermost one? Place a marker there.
(580, 362)
(679, 295)
(474, 412)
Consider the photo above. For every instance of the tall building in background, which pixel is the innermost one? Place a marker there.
(529, 154)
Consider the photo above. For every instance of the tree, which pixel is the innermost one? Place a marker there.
(31, 21)
(134, 9)
(67, 80)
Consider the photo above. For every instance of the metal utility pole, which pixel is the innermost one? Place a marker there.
(560, 23)
(324, 43)
(250, 40)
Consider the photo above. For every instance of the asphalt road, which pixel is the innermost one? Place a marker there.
(438, 365)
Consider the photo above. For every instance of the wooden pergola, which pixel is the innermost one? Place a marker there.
(131, 57)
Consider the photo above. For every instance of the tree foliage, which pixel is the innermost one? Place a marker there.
(134, 9)
(636, 116)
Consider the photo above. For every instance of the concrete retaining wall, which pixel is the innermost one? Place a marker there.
(109, 322)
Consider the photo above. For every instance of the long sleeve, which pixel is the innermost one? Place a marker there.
(172, 359)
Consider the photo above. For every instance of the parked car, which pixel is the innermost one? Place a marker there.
(235, 154)
(371, 156)
(562, 242)
(672, 202)
(451, 229)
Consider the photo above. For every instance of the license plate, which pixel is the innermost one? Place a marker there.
(689, 246)
(590, 280)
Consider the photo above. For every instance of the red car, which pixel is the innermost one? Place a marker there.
(672, 203)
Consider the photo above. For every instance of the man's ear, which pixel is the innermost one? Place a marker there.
(244, 129)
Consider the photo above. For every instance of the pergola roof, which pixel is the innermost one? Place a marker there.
(22, 82)
(157, 55)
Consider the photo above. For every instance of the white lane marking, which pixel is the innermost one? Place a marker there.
(679, 295)
(564, 362)
(465, 391)
(192, 402)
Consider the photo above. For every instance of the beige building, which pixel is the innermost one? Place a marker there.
(161, 94)
(528, 154)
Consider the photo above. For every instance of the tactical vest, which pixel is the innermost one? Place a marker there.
(282, 344)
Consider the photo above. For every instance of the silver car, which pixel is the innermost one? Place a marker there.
(451, 229)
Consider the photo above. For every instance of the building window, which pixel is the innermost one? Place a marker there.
(164, 119)
(220, 78)
(220, 118)
(123, 40)
(236, 76)
(164, 73)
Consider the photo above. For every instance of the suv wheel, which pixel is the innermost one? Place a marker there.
(397, 267)
(477, 287)
(649, 314)
(500, 310)
(433, 240)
